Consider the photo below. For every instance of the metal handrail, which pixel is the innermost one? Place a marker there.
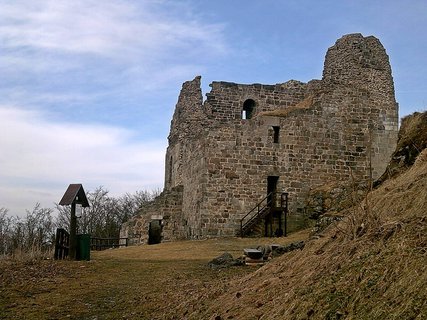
(257, 206)
(283, 204)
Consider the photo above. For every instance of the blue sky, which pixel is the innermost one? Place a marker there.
(88, 87)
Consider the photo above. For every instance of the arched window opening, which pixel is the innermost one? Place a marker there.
(248, 109)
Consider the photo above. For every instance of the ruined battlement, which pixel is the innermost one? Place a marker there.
(246, 140)
(226, 99)
(355, 60)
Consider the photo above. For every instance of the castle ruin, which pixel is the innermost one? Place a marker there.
(246, 141)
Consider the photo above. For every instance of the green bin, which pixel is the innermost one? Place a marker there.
(83, 247)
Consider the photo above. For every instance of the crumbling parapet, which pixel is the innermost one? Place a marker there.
(166, 208)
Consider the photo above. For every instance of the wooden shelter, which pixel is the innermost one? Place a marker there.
(74, 195)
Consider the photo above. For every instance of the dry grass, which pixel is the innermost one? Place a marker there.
(141, 282)
(26, 256)
(378, 272)
(413, 131)
(412, 140)
(305, 104)
(371, 265)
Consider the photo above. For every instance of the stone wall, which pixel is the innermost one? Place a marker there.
(360, 94)
(305, 134)
(226, 99)
(167, 207)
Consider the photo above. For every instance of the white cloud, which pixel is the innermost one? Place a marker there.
(40, 158)
(83, 54)
(125, 29)
(75, 57)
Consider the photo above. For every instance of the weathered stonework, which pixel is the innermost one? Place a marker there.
(167, 207)
(303, 134)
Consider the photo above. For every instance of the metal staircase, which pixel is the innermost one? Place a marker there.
(262, 210)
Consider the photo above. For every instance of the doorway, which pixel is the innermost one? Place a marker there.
(155, 231)
(272, 182)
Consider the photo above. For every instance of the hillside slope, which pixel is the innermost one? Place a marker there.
(371, 265)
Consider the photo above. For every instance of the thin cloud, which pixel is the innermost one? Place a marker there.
(104, 28)
(38, 155)
(81, 54)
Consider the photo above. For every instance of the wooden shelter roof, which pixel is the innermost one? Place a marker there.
(75, 193)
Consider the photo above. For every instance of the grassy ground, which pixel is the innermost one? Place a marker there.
(142, 282)
(371, 265)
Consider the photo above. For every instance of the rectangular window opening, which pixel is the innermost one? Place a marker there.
(276, 134)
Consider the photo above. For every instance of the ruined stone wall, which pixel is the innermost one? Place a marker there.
(166, 207)
(359, 90)
(187, 125)
(212, 205)
(240, 158)
(185, 156)
(339, 128)
(304, 157)
(346, 131)
(226, 99)
(195, 182)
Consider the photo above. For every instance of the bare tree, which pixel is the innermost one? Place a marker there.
(35, 231)
(38, 228)
(103, 218)
(130, 204)
(6, 225)
(106, 214)
(63, 216)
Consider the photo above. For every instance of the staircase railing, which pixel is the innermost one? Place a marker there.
(255, 212)
(261, 208)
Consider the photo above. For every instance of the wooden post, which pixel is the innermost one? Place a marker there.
(284, 201)
(73, 232)
(57, 244)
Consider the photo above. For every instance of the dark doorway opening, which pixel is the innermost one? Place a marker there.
(276, 216)
(271, 190)
(155, 232)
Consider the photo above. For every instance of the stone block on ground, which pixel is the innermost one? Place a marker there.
(224, 261)
(288, 248)
(253, 253)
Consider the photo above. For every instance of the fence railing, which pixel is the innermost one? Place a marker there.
(62, 244)
(97, 243)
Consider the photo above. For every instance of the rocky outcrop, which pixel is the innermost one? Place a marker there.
(411, 142)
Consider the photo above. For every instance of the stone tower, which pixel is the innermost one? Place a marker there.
(246, 141)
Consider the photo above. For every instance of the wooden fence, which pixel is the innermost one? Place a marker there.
(62, 244)
(107, 243)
